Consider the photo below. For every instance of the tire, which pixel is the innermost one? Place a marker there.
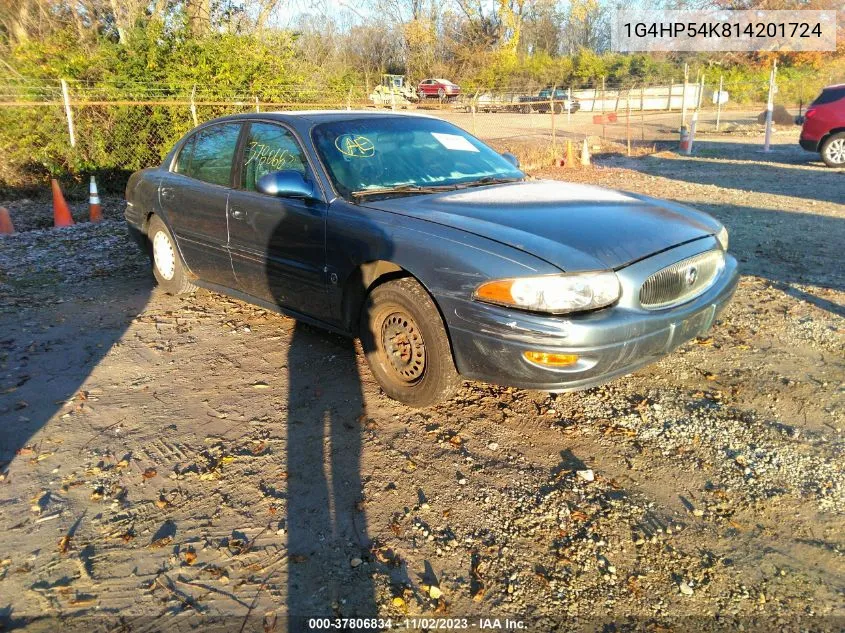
(406, 344)
(526, 109)
(168, 268)
(833, 150)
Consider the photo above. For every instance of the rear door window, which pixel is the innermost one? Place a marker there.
(213, 152)
(269, 148)
(829, 96)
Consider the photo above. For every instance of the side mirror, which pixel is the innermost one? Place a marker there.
(513, 160)
(287, 183)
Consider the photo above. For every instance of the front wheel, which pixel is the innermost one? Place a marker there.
(833, 150)
(406, 345)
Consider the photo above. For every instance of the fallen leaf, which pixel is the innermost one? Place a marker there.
(149, 473)
(64, 543)
(190, 557)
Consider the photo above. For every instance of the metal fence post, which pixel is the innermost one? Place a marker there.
(568, 105)
(68, 113)
(473, 107)
(628, 119)
(719, 103)
(684, 97)
(194, 106)
(602, 95)
(770, 106)
(552, 110)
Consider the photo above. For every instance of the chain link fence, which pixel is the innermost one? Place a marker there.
(69, 129)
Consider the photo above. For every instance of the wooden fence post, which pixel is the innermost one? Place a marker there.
(68, 113)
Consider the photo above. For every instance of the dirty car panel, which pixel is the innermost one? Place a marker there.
(410, 196)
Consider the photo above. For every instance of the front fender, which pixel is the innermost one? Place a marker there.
(448, 262)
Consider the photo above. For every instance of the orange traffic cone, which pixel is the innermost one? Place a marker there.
(61, 212)
(95, 213)
(6, 226)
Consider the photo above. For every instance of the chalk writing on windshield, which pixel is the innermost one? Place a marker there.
(355, 146)
(277, 158)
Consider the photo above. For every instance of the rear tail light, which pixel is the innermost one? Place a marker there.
(809, 114)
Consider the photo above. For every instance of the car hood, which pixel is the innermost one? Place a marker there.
(573, 226)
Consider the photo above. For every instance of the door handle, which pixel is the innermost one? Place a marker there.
(166, 193)
(238, 214)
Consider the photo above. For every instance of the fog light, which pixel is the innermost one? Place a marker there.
(551, 360)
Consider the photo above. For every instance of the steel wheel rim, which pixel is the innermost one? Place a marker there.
(163, 255)
(403, 346)
(836, 151)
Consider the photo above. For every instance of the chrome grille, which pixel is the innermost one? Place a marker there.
(682, 281)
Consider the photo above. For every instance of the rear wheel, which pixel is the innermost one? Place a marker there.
(169, 269)
(406, 345)
(833, 150)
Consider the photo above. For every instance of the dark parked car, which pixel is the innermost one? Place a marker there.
(434, 249)
(823, 128)
(543, 101)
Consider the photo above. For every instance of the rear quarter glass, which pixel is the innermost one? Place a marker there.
(829, 96)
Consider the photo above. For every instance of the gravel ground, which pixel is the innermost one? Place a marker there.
(170, 462)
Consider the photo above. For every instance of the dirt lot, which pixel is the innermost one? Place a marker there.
(169, 462)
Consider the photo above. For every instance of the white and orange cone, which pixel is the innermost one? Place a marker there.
(585, 154)
(95, 212)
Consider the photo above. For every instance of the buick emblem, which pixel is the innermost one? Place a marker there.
(691, 275)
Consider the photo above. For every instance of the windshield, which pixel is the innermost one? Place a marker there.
(409, 154)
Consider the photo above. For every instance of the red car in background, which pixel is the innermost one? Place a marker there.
(823, 128)
(439, 88)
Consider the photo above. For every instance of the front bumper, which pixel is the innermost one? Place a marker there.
(489, 341)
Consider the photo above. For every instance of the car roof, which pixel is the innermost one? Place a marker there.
(321, 116)
(834, 87)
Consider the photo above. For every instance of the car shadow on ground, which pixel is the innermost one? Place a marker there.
(773, 177)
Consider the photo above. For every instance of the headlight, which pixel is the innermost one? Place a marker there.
(557, 294)
(722, 236)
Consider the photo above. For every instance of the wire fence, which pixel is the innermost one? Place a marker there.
(65, 128)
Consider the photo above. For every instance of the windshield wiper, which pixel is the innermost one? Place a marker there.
(488, 180)
(402, 189)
